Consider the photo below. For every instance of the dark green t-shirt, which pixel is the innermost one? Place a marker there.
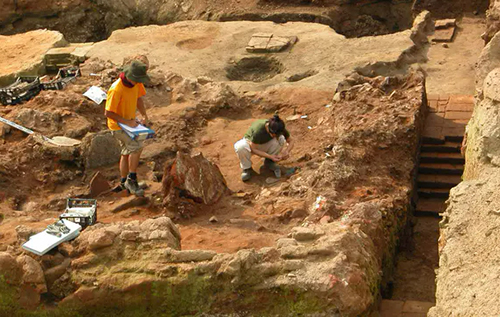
(257, 132)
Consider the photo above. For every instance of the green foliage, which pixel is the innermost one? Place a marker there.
(8, 305)
(189, 297)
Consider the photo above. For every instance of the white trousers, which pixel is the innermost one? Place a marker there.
(242, 148)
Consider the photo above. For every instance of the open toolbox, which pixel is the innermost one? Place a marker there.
(23, 89)
(64, 77)
(80, 211)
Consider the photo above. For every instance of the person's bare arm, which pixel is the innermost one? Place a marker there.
(118, 118)
(286, 152)
(142, 110)
(263, 154)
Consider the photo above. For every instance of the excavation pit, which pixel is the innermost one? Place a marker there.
(329, 229)
(254, 69)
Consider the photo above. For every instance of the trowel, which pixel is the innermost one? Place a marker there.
(57, 140)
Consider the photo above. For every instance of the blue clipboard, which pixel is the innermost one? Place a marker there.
(139, 133)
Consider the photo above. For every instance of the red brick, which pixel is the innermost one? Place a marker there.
(433, 103)
(391, 308)
(432, 97)
(455, 123)
(453, 131)
(469, 107)
(457, 115)
(98, 185)
(434, 120)
(462, 99)
(416, 306)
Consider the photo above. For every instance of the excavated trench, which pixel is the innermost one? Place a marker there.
(96, 21)
(355, 22)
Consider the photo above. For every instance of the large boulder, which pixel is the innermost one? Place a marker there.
(487, 61)
(160, 231)
(32, 273)
(100, 149)
(41, 121)
(10, 270)
(101, 239)
(492, 21)
(193, 177)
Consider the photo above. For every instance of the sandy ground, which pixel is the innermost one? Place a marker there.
(451, 70)
(200, 48)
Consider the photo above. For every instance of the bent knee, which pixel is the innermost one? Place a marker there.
(241, 146)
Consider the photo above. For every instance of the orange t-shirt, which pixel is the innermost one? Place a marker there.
(123, 101)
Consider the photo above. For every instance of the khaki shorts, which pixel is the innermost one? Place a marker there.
(128, 146)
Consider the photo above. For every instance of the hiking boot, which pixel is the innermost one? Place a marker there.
(246, 174)
(133, 187)
(119, 188)
(270, 164)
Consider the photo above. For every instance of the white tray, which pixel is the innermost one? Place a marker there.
(43, 242)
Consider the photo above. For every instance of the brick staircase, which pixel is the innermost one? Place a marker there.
(397, 308)
(441, 164)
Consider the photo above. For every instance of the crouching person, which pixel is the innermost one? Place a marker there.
(124, 99)
(264, 138)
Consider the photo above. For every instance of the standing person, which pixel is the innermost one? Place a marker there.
(264, 138)
(124, 99)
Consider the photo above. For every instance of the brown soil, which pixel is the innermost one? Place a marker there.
(25, 166)
(450, 70)
(362, 133)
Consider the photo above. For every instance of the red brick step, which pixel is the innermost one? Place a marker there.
(438, 181)
(434, 157)
(440, 169)
(441, 193)
(447, 147)
(430, 207)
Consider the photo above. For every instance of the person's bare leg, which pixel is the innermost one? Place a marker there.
(131, 183)
(124, 166)
(133, 161)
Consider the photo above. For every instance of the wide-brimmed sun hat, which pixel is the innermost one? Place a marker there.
(137, 72)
